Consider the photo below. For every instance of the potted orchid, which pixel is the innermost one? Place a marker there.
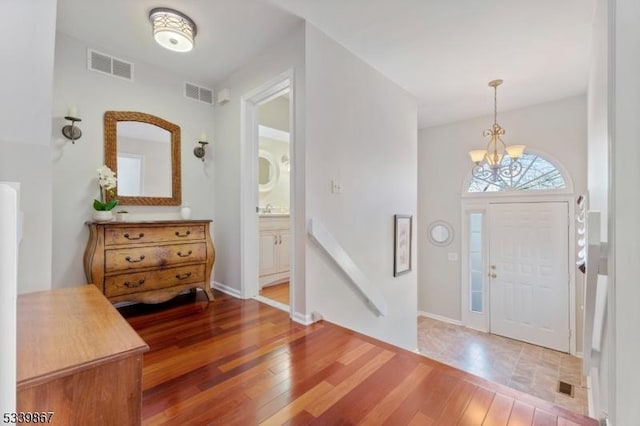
(107, 183)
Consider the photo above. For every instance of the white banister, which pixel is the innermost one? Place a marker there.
(331, 246)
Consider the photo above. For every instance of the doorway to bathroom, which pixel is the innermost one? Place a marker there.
(268, 173)
(274, 167)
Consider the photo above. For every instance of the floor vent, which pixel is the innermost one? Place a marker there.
(106, 64)
(565, 388)
(198, 93)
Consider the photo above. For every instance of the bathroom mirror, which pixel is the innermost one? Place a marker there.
(268, 171)
(440, 233)
(144, 152)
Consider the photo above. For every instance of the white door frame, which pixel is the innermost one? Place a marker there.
(249, 250)
(473, 203)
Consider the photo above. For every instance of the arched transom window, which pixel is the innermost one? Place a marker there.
(537, 174)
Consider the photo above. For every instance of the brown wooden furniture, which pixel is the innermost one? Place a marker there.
(149, 262)
(78, 358)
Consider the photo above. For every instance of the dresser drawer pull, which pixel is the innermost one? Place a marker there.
(186, 234)
(140, 235)
(128, 259)
(183, 276)
(129, 284)
(185, 255)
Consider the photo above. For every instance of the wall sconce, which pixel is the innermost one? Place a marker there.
(71, 131)
(199, 150)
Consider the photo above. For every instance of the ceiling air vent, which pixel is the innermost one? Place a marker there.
(198, 93)
(109, 65)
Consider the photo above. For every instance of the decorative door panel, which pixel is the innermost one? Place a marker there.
(529, 272)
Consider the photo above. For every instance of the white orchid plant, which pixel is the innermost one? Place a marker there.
(107, 182)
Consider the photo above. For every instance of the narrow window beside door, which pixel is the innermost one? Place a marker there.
(476, 289)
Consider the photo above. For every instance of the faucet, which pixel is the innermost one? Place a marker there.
(267, 208)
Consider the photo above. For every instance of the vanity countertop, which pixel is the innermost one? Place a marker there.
(267, 215)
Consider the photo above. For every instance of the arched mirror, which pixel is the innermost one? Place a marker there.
(268, 171)
(144, 152)
(440, 233)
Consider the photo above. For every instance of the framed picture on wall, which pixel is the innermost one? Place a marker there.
(402, 244)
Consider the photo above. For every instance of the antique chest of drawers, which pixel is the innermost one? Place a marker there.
(149, 262)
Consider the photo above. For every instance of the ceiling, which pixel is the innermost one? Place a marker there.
(442, 52)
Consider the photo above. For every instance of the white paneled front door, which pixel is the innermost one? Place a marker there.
(529, 272)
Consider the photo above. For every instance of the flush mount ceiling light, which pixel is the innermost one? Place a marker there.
(172, 30)
(498, 162)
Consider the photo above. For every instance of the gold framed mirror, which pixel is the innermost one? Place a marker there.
(144, 152)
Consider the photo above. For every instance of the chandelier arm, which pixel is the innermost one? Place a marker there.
(479, 172)
(511, 171)
(504, 145)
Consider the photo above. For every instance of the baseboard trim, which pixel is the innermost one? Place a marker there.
(302, 318)
(272, 303)
(439, 317)
(227, 290)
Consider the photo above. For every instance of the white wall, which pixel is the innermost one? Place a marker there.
(624, 226)
(286, 54)
(598, 146)
(154, 91)
(361, 131)
(598, 172)
(27, 48)
(275, 113)
(9, 234)
(557, 128)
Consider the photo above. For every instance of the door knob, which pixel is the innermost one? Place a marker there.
(492, 274)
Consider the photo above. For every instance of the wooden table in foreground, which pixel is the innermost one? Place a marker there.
(78, 358)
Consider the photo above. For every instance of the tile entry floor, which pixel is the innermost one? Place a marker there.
(519, 365)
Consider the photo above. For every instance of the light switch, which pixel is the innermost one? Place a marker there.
(453, 257)
(336, 187)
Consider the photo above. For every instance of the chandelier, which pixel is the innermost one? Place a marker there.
(498, 162)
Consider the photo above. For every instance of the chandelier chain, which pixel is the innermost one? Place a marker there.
(495, 104)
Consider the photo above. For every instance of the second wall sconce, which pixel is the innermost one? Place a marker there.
(71, 131)
(199, 150)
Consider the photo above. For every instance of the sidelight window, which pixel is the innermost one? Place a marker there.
(476, 263)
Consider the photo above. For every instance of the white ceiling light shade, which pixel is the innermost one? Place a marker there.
(173, 30)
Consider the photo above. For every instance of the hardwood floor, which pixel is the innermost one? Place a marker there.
(242, 362)
(278, 292)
